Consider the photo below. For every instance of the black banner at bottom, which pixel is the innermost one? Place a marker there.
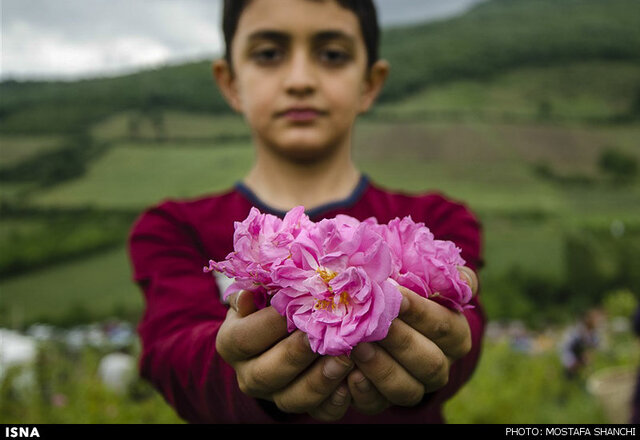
(70, 431)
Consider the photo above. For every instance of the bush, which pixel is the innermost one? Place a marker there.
(57, 236)
(597, 266)
(545, 171)
(51, 167)
(619, 166)
(514, 387)
(620, 302)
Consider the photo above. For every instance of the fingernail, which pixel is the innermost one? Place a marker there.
(364, 352)
(467, 278)
(465, 273)
(363, 385)
(339, 396)
(404, 305)
(336, 367)
(234, 301)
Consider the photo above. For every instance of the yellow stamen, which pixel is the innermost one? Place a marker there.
(345, 300)
(326, 274)
(323, 304)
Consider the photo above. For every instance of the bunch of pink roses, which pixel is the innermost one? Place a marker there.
(337, 280)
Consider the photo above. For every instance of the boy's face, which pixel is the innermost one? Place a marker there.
(299, 75)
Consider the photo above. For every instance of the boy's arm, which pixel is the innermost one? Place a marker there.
(181, 320)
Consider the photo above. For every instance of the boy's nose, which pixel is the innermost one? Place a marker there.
(300, 79)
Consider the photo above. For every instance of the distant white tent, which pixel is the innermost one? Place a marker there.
(117, 371)
(17, 350)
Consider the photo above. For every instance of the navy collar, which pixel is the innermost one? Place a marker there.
(344, 203)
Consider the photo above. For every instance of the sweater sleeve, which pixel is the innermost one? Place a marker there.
(181, 319)
(458, 224)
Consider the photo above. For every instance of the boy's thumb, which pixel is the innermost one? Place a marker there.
(243, 303)
(470, 278)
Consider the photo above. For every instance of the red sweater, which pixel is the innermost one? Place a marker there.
(171, 243)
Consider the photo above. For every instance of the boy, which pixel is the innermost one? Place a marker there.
(300, 72)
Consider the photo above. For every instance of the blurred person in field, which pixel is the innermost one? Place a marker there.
(300, 72)
(578, 343)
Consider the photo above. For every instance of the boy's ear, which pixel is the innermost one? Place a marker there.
(226, 81)
(374, 81)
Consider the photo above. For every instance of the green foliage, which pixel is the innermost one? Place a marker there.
(620, 302)
(545, 171)
(95, 287)
(621, 167)
(67, 107)
(15, 149)
(587, 273)
(634, 110)
(595, 265)
(131, 176)
(34, 239)
(57, 165)
(501, 34)
(511, 387)
(592, 91)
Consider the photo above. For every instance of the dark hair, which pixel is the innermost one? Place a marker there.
(365, 10)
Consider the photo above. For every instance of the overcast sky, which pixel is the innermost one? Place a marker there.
(69, 39)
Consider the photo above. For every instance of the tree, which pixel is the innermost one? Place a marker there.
(620, 166)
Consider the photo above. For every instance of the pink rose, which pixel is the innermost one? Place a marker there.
(425, 265)
(336, 286)
(261, 242)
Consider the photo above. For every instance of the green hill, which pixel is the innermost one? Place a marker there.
(489, 40)
(500, 35)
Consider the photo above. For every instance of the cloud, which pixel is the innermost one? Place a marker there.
(76, 38)
(83, 38)
(394, 12)
(44, 52)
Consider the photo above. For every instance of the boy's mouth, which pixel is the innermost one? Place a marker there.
(301, 114)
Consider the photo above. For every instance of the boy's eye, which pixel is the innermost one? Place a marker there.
(267, 55)
(334, 56)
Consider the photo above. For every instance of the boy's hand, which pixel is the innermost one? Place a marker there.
(274, 365)
(414, 358)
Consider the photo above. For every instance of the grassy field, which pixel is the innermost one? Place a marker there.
(14, 149)
(184, 126)
(570, 92)
(94, 288)
(468, 160)
(135, 176)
